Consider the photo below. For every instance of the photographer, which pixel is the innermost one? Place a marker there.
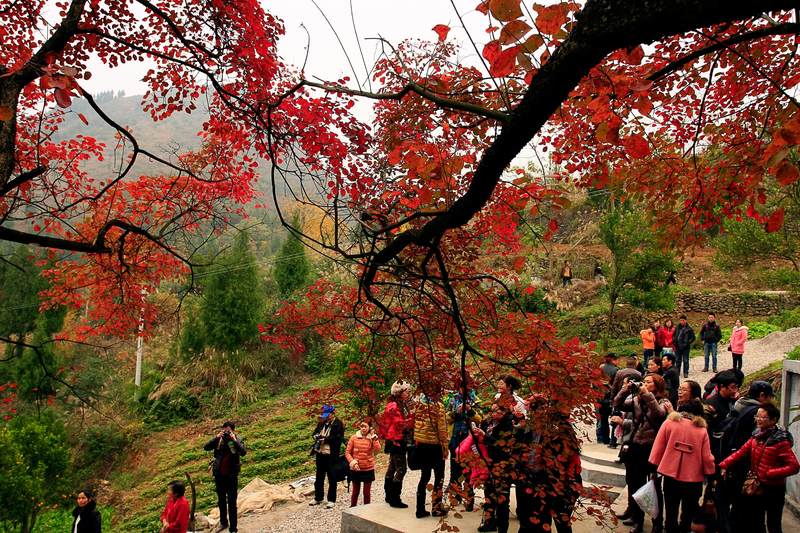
(328, 437)
(649, 404)
(228, 448)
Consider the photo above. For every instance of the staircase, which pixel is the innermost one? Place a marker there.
(599, 468)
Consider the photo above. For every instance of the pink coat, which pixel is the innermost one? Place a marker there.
(474, 456)
(682, 450)
(738, 338)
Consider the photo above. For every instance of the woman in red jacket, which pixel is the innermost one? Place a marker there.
(396, 425)
(771, 461)
(682, 454)
(175, 518)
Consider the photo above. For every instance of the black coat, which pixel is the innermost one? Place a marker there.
(335, 437)
(222, 447)
(683, 336)
(710, 333)
(673, 381)
(90, 519)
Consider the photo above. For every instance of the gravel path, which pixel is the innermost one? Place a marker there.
(300, 517)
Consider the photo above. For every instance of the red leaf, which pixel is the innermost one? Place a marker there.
(636, 146)
(504, 63)
(63, 98)
(442, 31)
(491, 51)
(505, 10)
(6, 113)
(514, 32)
(483, 7)
(83, 118)
(551, 18)
(775, 221)
(787, 174)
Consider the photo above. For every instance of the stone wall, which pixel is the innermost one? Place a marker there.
(736, 303)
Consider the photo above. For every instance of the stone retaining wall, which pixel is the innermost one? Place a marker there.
(734, 303)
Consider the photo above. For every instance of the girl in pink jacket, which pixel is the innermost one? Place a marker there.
(682, 454)
(738, 338)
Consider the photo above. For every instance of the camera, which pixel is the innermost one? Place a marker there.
(636, 384)
(226, 434)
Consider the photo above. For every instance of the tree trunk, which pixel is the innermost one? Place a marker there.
(612, 296)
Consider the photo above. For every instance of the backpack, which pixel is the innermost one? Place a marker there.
(732, 432)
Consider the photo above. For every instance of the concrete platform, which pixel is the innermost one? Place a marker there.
(380, 518)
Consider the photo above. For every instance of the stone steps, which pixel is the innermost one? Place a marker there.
(599, 466)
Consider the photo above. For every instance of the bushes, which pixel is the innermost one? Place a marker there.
(784, 278)
(787, 319)
(98, 448)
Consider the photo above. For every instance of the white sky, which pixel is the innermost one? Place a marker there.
(394, 20)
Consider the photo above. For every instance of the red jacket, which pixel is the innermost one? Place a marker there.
(771, 456)
(176, 513)
(682, 449)
(394, 423)
(664, 337)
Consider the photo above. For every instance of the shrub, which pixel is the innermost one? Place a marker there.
(783, 278)
(787, 319)
(99, 447)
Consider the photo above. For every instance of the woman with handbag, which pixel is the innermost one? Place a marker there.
(771, 462)
(682, 454)
(649, 404)
(396, 424)
(430, 447)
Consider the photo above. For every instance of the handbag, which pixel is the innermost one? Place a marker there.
(752, 486)
(414, 459)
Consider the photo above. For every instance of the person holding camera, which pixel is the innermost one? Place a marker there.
(228, 449)
(328, 437)
(648, 402)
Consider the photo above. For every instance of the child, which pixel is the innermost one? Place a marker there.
(360, 453)
(175, 518)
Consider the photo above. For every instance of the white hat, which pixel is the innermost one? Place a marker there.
(399, 386)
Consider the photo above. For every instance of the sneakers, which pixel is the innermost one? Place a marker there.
(315, 502)
(329, 505)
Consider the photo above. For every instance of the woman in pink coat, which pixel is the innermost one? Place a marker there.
(682, 454)
(738, 338)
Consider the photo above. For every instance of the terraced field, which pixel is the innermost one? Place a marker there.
(277, 435)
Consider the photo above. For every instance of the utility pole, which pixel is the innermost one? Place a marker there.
(140, 350)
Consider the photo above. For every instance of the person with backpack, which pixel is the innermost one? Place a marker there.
(228, 450)
(771, 459)
(649, 404)
(86, 517)
(736, 345)
(175, 517)
(396, 426)
(360, 454)
(431, 449)
(682, 454)
(682, 339)
(327, 437)
(710, 334)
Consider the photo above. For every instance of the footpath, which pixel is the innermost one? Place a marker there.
(599, 468)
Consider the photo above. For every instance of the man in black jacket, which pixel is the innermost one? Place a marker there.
(328, 436)
(671, 377)
(228, 449)
(710, 334)
(683, 339)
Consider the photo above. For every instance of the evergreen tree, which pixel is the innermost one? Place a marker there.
(233, 299)
(193, 334)
(292, 267)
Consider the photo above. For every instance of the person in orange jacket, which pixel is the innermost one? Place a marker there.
(360, 454)
(175, 518)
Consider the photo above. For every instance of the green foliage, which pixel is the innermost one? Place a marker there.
(292, 267)
(60, 519)
(744, 241)
(755, 330)
(34, 464)
(233, 299)
(794, 355)
(531, 301)
(781, 278)
(787, 319)
(193, 335)
(20, 284)
(99, 447)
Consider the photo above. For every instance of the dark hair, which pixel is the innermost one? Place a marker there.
(178, 488)
(726, 378)
(692, 407)
(229, 424)
(511, 382)
(670, 357)
(611, 355)
(89, 493)
(695, 390)
(772, 412)
(661, 385)
(655, 360)
(682, 317)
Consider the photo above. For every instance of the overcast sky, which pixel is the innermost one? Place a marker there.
(394, 20)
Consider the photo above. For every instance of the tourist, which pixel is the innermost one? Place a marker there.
(629, 372)
(682, 339)
(657, 344)
(665, 337)
(598, 272)
(175, 517)
(671, 279)
(431, 449)
(737, 341)
(566, 274)
(682, 454)
(609, 369)
(328, 437)
(671, 377)
(496, 433)
(461, 415)
(687, 391)
(228, 449)
(507, 387)
(711, 386)
(654, 365)
(360, 454)
(769, 453)
(396, 425)
(648, 343)
(86, 517)
(650, 406)
(718, 406)
(710, 334)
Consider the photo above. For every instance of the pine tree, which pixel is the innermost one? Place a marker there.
(292, 267)
(233, 299)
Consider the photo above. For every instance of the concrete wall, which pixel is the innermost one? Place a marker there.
(790, 409)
